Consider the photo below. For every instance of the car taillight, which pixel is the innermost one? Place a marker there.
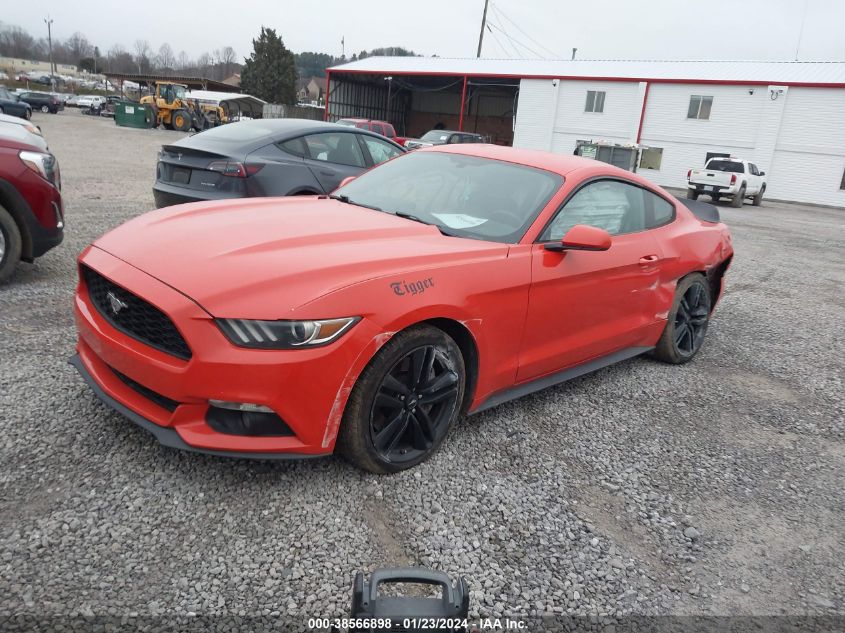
(689, 173)
(733, 179)
(234, 169)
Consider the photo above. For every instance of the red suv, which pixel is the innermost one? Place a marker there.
(379, 127)
(31, 213)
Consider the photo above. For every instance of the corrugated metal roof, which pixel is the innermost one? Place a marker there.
(787, 73)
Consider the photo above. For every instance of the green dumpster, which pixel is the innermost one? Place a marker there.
(133, 114)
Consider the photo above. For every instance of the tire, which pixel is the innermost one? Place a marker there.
(28, 114)
(739, 198)
(692, 194)
(387, 400)
(154, 119)
(181, 121)
(10, 244)
(45, 109)
(687, 324)
(758, 199)
(1, 110)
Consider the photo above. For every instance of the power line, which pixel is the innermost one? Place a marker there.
(516, 41)
(514, 51)
(501, 14)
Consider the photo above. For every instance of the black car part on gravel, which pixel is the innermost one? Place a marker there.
(407, 613)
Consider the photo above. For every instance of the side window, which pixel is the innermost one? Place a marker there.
(389, 131)
(379, 150)
(699, 107)
(363, 125)
(612, 205)
(378, 128)
(335, 147)
(659, 211)
(752, 168)
(294, 146)
(595, 101)
(454, 138)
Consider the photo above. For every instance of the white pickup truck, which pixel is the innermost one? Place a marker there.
(727, 178)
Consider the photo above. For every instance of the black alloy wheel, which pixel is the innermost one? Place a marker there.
(413, 406)
(404, 402)
(691, 320)
(688, 320)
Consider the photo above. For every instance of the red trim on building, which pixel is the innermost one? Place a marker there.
(723, 82)
(328, 92)
(463, 105)
(642, 112)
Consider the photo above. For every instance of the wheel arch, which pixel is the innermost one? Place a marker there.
(469, 350)
(15, 204)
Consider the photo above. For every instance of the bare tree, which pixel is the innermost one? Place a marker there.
(183, 61)
(142, 55)
(165, 59)
(78, 46)
(15, 42)
(203, 62)
(227, 59)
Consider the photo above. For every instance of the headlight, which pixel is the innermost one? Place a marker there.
(284, 334)
(45, 165)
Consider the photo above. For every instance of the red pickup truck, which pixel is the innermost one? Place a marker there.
(379, 127)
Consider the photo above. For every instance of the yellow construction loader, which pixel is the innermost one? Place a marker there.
(172, 109)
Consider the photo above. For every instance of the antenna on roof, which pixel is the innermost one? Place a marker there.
(574, 50)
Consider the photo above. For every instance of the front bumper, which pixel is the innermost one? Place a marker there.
(167, 436)
(306, 388)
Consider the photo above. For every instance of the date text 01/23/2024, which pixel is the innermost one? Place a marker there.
(417, 624)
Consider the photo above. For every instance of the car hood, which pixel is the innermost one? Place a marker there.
(262, 258)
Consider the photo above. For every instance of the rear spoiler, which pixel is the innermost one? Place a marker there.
(702, 210)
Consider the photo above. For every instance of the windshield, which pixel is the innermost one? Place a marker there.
(179, 91)
(725, 165)
(436, 136)
(465, 196)
(346, 122)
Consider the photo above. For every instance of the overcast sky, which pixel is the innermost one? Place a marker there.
(600, 29)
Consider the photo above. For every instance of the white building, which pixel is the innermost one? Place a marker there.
(786, 117)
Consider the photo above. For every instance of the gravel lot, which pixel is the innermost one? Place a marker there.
(712, 488)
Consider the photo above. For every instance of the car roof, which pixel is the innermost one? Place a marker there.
(280, 129)
(562, 164)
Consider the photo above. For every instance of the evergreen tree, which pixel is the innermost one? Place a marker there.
(270, 73)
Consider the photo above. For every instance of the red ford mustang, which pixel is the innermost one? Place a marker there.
(443, 282)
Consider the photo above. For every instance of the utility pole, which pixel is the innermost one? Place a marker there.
(48, 21)
(483, 24)
(801, 30)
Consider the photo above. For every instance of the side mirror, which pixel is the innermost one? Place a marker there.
(762, 173)
(582, 238)
(346, 181)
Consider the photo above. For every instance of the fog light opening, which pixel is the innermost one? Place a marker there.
(245, 418)
(248, 407)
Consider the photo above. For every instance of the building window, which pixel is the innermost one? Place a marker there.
(595, 101)
(651, 157)
(699, 107)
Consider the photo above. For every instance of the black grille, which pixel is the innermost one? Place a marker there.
(135, 317)
(163, 401)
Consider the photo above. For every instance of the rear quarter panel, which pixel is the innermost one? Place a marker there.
(688, 245)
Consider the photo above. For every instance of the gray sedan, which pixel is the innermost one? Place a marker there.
(266, 157)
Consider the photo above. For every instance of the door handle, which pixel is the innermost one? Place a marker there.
(645, 260)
